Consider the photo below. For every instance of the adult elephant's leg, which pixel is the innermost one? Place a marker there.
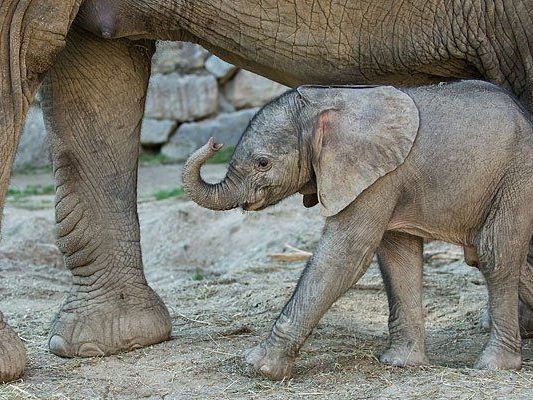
(530, 254)
(12, 353)
(31, 35)
(94, 102)
(13, 107)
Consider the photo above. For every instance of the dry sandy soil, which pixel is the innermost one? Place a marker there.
(215, 319)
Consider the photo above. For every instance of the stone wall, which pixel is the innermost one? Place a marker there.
(192, 96)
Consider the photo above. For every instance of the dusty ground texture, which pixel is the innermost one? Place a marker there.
(216, 318)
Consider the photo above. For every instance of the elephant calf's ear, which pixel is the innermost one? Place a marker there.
(368, 134)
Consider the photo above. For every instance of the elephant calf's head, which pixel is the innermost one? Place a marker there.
(328, 143)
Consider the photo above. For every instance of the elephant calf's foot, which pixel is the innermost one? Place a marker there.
(402, 356)
(12, 353)
(270, 361)
(119, 321)
(497, 358)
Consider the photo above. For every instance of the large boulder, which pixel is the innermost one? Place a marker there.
(181, 98)
(174, 56)
(225, 128)
(33, 150)
(155, 131)
(247, 89)
(220, 68)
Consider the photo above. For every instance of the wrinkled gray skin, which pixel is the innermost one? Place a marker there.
(94, 97)
(386, 196)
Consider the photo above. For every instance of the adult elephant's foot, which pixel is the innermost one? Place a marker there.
(525, 317)
(12, 353)
(271, 361)
(499, 358)
(402, 356)
(120, 320)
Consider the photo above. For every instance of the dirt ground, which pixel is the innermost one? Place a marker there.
(223, 292)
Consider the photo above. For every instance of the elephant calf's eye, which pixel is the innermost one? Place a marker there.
(262, 164)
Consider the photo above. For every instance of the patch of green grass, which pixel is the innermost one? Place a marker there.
(153, 159)
(168, 193)
(198, 275)
(223, 156)
(32, 190)
(29, 170)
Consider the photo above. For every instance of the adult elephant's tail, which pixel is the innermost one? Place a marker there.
(32, 33)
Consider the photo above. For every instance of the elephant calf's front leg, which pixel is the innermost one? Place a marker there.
(400, 260)
(341, 258)
(94, 101)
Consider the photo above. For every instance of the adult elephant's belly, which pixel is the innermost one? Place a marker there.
(296, 45)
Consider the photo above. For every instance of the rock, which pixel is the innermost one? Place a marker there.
(225, 128)
(224, 106)
(181, 98)
(250, 90)
(156, 131)
(173, 56)
(220, 68)
(33, 150)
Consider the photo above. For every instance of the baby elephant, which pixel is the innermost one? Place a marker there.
(389, 167)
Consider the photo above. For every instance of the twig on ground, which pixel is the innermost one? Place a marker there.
(297, 255)
(192, 319)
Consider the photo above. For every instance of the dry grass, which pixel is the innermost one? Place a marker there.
(232, 308)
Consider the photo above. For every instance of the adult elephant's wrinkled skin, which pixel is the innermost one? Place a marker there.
(32, 34)
(95, 90)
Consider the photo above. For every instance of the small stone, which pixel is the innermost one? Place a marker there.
(154, 132)
(250, 90)
(220, 68)
(33, 150)
(225, 128)
(178, 56)
(181, 98)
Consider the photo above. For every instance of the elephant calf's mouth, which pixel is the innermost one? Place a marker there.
(257, 206)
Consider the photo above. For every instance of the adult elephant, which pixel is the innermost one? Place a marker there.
(32, 34)
(94, 100)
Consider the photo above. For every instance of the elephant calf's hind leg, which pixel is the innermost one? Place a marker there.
(500, 262)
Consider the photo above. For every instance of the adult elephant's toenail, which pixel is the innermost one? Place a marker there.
(90, 350)
(60, 347)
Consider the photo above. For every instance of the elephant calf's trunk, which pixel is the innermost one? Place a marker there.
(219, 196)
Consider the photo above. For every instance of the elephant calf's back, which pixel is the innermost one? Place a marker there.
(472, 137)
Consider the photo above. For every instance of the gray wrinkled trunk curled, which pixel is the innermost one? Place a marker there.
(219, 196)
